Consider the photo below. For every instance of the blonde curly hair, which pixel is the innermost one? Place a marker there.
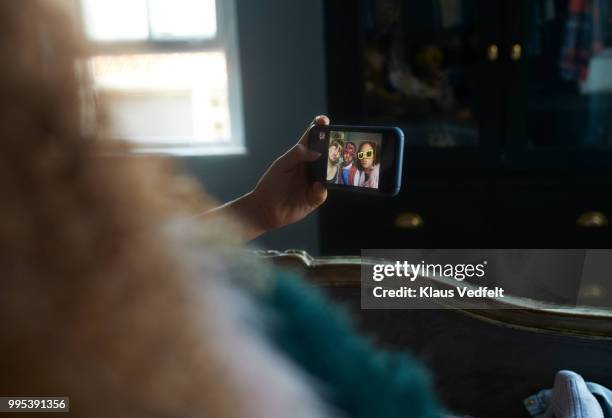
(110, 294)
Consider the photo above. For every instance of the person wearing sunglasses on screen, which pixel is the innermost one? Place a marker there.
(368, 165)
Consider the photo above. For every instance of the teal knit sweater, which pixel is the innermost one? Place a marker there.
(353, 376)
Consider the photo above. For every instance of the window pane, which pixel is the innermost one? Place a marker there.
(114, 20)
(172, 19)
(178, 98)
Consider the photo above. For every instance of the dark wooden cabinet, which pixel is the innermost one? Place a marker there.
(508, 141)
(509, 212)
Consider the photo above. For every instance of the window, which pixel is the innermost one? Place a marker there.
(169, 71)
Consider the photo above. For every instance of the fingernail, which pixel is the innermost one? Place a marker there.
(321, 118)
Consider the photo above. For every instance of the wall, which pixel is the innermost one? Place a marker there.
(283, 80)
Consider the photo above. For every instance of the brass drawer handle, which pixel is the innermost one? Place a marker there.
(492, 52)
(594, 219)
(516, 52)
(409, 220)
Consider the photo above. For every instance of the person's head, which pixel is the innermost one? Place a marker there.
(335, 148)
(367, 155)
(105, 279)
(349, 153)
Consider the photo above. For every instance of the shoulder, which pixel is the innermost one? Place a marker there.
(321, 339)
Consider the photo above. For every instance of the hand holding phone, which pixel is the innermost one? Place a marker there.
(363, 159)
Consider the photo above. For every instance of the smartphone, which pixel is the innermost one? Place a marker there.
(364, 159)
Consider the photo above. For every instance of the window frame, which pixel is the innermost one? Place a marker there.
(225, 40)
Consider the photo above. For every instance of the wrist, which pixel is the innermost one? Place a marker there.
(250, 214)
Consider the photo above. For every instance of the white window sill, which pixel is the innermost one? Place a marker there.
(192, 151)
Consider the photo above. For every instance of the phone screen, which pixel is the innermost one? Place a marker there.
(363, 159)
(353, 159)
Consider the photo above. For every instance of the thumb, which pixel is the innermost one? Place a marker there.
(301, 153)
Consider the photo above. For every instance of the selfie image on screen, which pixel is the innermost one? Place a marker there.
(353, 159)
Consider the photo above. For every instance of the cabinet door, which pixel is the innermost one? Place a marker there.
(557, 57)
(430, 67)
(552, 212)
(428, 214)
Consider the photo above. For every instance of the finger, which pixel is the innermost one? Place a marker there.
(304, 138)
(320, 120)
(300, 153)
(317, 194)
(297, 155)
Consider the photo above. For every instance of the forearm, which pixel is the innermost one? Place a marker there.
(242, 210)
